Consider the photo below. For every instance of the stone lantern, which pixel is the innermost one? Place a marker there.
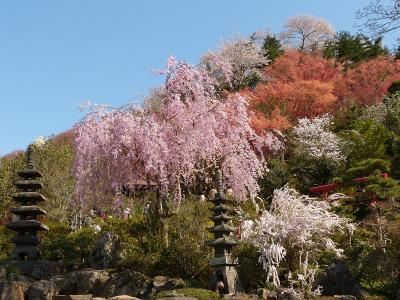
(225, 279)
(25, 222)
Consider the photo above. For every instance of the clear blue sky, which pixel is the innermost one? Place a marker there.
(57, 54)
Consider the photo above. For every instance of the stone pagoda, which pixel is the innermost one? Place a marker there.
(25, 221)
(225, 279)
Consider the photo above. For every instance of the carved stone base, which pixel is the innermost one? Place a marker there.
(228, 275)
(25, 252)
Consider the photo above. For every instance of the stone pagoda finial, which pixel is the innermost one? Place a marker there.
(30, 159)
(225, 279)
(220, 186)
(26, 224)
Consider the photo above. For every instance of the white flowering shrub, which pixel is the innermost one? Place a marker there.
(313, 137)
(235, 61)
(40, 141)
(294, 224)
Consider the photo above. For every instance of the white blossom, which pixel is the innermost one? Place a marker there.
(314, 138)
(293, 222)
(235, 60)
(40, 141)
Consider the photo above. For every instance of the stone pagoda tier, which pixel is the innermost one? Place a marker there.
(224, 279)
(25, 222)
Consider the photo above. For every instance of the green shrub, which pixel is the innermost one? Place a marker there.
(251, 273)
(70, 247)
(5, 243)
(187, 256)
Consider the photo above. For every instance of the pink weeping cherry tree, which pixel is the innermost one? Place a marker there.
(193, 132)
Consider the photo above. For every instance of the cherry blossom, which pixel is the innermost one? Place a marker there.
(191, 134)
(313, 137)
(234, 61)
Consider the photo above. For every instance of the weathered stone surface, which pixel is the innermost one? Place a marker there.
(123, 297)
(288, 294)
(273, 296)
(72, 297)
(162, 283)
(83, 282)
(42, 290)
(345, 297)
(125, 283)
(177, 298)
(337, 280)
(108, 251)
(35, 269)
(263, 293)
(13, 290)
(241, 296)
(397, 295)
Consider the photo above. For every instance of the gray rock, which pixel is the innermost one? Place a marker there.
(13, 290)
(241, 296)
(35, 269)
(177, 298)
(83, 282)
(127, 282)
(123, 297)
(338, 280)
(272, 296)
(263, 293)
(108, 251)
(345, 297)
(42, 290)
(72, 297)
(162, 283)
(288, 294)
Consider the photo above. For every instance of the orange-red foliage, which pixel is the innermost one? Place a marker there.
(295, 65)
(301, 84)
(368, 82)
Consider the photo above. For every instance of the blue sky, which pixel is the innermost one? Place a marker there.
(57, 54)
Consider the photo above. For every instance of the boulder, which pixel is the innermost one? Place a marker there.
(289, 294)
(263, 293)
(128, 282)
(122, 297)
(72, 297)
(162, 283)
(338, 280)
(13, 290)
(42, 290)
(273, 296)
(82, 282)
(108, 251)
(241, 296)
(174, 295)
(35, 269)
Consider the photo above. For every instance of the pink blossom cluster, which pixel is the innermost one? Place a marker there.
(192, 134)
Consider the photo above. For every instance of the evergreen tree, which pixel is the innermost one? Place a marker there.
(272, 47)
(349, 48)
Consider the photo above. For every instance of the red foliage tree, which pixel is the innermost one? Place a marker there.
(368, 82)
(301, 85)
